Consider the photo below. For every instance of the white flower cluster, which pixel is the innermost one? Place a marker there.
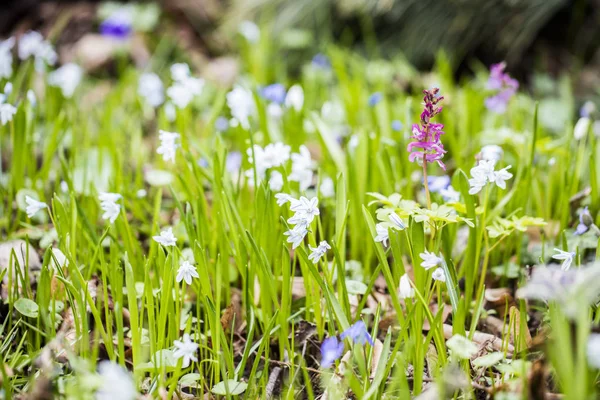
(168, 145)
(484, 173)
(32, 44)
(305, 212)
(108, 204)
(6, 58)
(150, 87)
(185, 87)
(382, 228)
(319, 251)
(241, 103)
(67, 78)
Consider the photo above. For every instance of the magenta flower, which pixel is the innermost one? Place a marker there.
(427, 146)
(505, 88)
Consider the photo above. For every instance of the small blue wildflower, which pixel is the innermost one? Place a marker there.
(358, 333)
(321, 61)
(274, 93)
(438, 183)
(221, 124)
(203, 162)
(585, 221)
(396, 125)
(375, 98)
(331, 350)
(233, 162)
(118, 24)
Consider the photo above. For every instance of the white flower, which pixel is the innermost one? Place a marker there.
(276, 181)
(116, 383)
(318, 252)
(405, 290)
(306, 209)
(66, 78)
(241, 103)
(180, 95)
(295, 98)
(566, 257)
(6, 58)
(141, 193)
(168, 146)
(59, 258)
(593, 350)
(492, 152)
(302, 168)
(186, 272)
(108, 203)
(450, 195)
(250, 31)
(581, 128)
(180, 72)
(166, 238)
(439, 275)
(185, 349)
(327, 188)
(397, 221)
(274, 111)
(501, 176)
(430, 260)
(8, 88)
(383, 234)
(7, 111)
(296, 235)
(33, 206)
(150, 87)
(29, 44)
(170, 112)
(31, 97)
(283, 198)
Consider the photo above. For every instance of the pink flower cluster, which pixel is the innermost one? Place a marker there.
(504, 84)
(427, 146)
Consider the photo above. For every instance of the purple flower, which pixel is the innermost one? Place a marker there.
(358, 333)
(118, 24)
(233, 161)
(504, 85)
(375, 98)
(221, 124)
(274, 93)
(396, 125)
(426, 145)
(321, 61)
(331, 350)
(438, 183)
(585, 221)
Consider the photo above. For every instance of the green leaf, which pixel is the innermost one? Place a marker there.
(488, 360)
(27, 307)
(229, 387)
(355, 287)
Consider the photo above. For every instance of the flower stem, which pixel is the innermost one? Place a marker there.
(426, 183)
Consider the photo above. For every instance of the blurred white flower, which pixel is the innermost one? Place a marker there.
(166, 238)
(501, 176)
(168, 145)
(327, 188)
(31, 97)
(250, 31)
(6, 58)
(318, 252)
(383, 234)
(439, 275)
(273, 155)
(274, 111)
(283, 198)
(7, 111)
(302, 168)
(186, 272)
(150, 87)
(405, 290)
(108, 204)
(59, 259)
(492, 152)
(33, 206)
(295, 98)
(396, 221)
(276, 181)
(430, 260)
(67, 78)
(242, 106)
(593, 350)
(141, 193)
(450, 195)
(180, 72)
(185, 349)
(116, 383)
(581, 128)
(565, 256)
(170, 112)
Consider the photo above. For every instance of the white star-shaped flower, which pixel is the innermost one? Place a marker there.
(108, 203)
(168, 145)
(166, 238)
(318, 252)
(33, 206)
(186, 272)
(430, 260)
(185, 349)
(566, 257)
(7, 111)
(383, 234)
(439, 275)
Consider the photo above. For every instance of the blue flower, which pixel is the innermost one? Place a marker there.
(437, 183)
(375, 98)
(321, 61)
(274, 93)
(358, 333)
(221, 124)
(331, 350)
(585, 221)
(118, 24)
(233, 162)
(396, 125)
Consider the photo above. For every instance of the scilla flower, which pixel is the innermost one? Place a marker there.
(439, 275)
(274, 93)
(585, 222)
(430, 260)
(116, 383)
(358, 333)
(108, 203)
(33, 206)
(7, 111)
(166, 238)
(118, 25)
(566, 257)
(241, 104)
(185, 349)
(150, 87)
(32, 44)
(168, 145)
(383, 234)
(484, 173)
(6, 58)
(318, 252)
(405, 289)
(295, 98)
(306, 209)
(186, 272)
(593, 350)
(250, 31)
(66, 78)
(375, 99)
(426, 145)
(331, 350)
